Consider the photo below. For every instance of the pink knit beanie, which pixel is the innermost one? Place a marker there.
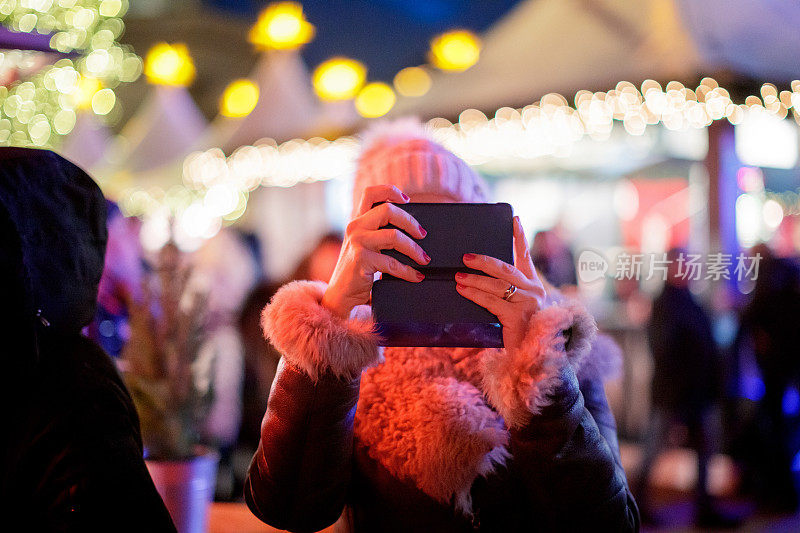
(402, 154)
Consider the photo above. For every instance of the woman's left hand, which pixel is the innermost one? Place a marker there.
(515, 311)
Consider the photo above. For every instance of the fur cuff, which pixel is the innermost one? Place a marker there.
(312, 339)
(520, 383)
(604, 361)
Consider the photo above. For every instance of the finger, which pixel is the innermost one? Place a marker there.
(389, 265)
(496, 269)
(493, 286)
(385, 214)
(393, 239)
(491, 303)
(380, 193)
(522, 252)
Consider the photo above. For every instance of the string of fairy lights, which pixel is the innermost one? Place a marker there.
(39, 108)
(550, 126)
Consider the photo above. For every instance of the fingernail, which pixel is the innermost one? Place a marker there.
(469, 257)
(405, 196)
(426, 257)
(420, 276)
(422, 231)
(460, 275)
(460, 287)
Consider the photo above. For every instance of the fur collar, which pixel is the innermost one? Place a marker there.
(424, 415)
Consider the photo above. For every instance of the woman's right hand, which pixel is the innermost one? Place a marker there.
(360, 257)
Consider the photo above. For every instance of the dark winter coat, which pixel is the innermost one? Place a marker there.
(72, 454)
(444, 440)
(685, 359)
(771, 320)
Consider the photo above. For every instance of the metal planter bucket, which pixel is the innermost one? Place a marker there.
(187, 488)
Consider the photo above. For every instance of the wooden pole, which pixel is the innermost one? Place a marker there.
(722, 166)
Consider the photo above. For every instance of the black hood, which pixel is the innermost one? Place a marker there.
(59, 215)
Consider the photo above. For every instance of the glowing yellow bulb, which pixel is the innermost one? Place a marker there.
(375, 100)
(87, 88)
(239, 98)
(339, 78)
(281, 26)
(455, 50)
(412, 81)
(169, 64)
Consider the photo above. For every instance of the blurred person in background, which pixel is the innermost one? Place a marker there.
(319, 263)
(121, 282)
(72, 459)
(260, 364)
(224, 270)
(260, 357)
(433, 439)
(553, 259)
(685, 386)
(770, 327)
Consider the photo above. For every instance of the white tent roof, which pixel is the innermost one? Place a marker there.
(88, 142)
(752, 37)
(166, 127)
(287, 107)
(545, 46)
(286, 103)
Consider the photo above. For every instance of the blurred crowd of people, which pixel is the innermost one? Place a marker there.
(710, 391)
(724, 380)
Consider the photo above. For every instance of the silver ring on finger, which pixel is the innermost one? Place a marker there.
(510, 291)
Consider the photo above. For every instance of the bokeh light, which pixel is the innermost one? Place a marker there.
(64, 121)
(748, 219)
(412, 81)
(772, 213)
(103, 101)
(87, 88)
(455, 50)
(375, 100)
(169, 64)
(39, 106)
(239, 99)
(339, 78)
(281, 26)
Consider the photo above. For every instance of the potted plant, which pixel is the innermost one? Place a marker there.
(159, 367)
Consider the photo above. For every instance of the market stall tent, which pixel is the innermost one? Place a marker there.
(286, 105)
(749, 38)
(545, 46)
(166, 127)
(88, 143)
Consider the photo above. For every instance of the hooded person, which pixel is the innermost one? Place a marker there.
(434, 439)
(72, 459)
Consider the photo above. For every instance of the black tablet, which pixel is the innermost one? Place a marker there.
(432, 313)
